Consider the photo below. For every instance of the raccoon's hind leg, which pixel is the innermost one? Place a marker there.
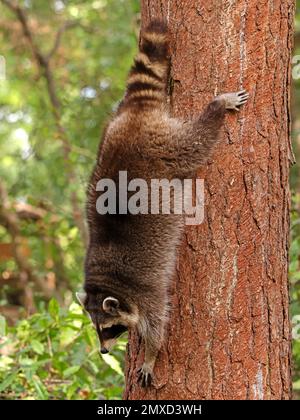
(192, 142)
(234, 100)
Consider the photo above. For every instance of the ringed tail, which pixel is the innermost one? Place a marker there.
(147, 80)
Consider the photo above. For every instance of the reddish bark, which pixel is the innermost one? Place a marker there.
(229, 333)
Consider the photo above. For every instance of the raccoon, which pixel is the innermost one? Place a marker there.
(131, 258)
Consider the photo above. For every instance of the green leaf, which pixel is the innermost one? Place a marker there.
(93, 366)
(72, 389)
(37, 347)
(67, 336)
(8, 381)
(40, 388)
(6, 362)
(70, 371)
(26, 362)
(53, 308)
(112, 362)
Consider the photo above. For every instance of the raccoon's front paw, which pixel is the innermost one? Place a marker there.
(234, 100)
(145, 374)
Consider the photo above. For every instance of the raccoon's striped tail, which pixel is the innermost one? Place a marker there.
(147, 81)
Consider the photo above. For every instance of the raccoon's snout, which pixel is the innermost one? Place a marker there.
(104, 350)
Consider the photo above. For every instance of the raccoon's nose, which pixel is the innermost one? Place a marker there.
(104, 350)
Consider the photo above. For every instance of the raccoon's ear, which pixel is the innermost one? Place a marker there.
(110, 304)
(81, 297)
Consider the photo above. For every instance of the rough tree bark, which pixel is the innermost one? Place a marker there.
(229, 333)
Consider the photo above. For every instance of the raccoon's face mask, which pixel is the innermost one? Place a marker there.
(108, 317)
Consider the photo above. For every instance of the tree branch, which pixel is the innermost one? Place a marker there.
(11, 222)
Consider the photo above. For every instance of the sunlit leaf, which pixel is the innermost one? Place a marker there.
(37, 347)
(53, 308)
(71, 371)
(112, 362)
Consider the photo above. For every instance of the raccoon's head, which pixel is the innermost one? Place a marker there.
(110, 315)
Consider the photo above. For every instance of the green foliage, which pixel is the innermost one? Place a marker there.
(54, 355)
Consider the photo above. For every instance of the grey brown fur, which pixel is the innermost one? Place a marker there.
(131, 258)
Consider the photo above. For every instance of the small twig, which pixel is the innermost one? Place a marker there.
(57, 382)
(61, 30)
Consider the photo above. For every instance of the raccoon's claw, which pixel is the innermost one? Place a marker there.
(234, 100)
(144, 376)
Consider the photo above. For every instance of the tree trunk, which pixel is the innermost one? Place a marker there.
(229, 333)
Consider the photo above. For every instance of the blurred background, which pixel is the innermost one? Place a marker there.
(60, 79)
